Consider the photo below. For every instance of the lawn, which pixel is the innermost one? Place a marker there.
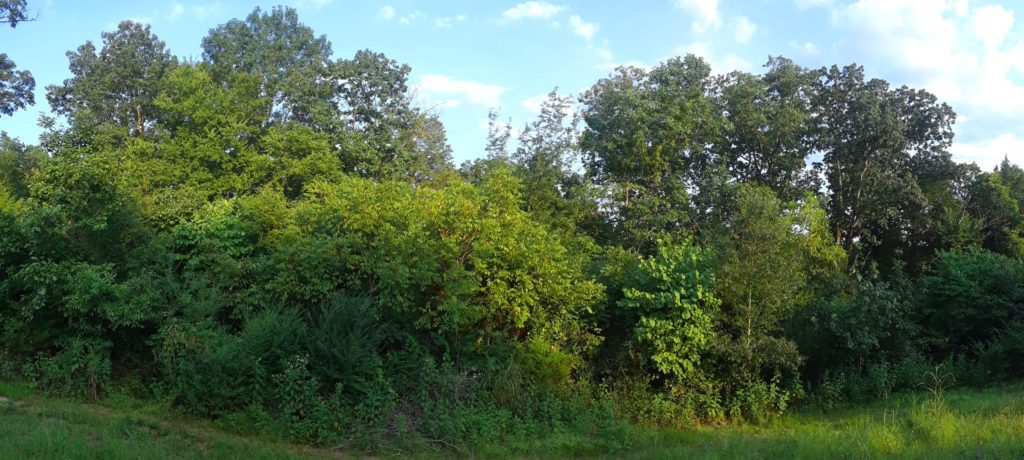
(959, 424)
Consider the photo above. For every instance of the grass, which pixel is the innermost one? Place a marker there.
(959, 424)
(979, 424)
(32, 426)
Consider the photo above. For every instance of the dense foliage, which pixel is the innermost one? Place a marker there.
(277, 238)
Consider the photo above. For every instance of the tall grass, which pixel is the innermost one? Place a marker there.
(928, 424)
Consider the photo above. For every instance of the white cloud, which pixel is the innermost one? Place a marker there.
(745, 29)
(731, 62)
(808, 48)
(991, 23)
(410, 18)
(177, 9)
(141, 19)
(447, 22)
(386, 12)
(604, 53)
(531, 10)
(705, 13)
(535, 103)
(465, 90)
(204, 11)
(701, 49)
(448, 104)
(989, 153)
(719, 64)
(583, 28)
(967, 57)
(805, 4)
(315, 4)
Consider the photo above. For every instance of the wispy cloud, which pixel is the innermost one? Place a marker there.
(410, 18)
(177, 9)
(705, 13)
(531, 10)
(386, 12)
(464, 90)
(447, 22)
(745, 29)
(583, 28)
(202, 12)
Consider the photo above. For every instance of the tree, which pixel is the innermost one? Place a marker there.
(497, 150)
(16, 86)
(767, 256)
(18, 162)
(646, 138)
(869, 134)
(997, 206)
(968, 297)
(672, 295)
(554, 187)
(374, 96)
(767, 138)
(292, 63)
(118, 85)
(13, 11)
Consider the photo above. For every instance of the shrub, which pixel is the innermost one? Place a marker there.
(968, 298)
(81, 368)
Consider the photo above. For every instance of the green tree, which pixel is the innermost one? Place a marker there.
(118, 85)
(291, 62)
(16, 86)
(646, 140)
(869, 134)
(767, 138)
(772, 258)
(968, 297)
(996, 204)
(673, 296)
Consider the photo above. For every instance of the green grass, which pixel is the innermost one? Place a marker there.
(32, 426)
(961, 424)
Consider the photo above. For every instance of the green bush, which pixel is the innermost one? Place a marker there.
(80, 368)
(968, 298)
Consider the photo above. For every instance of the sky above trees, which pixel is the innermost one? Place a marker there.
(469, 56)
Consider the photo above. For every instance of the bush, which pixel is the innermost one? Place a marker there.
(81, 368)
(215, 374)
(344, 346)
(968, 298)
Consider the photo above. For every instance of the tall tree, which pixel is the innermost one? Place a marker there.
(768, 255)
(13, 11)
(997, 204)
(373, 94)
(117, 85)
(290, 59)
(16, 86)
(869, 134)
(555, 191)
(647, 136)
(767, 138)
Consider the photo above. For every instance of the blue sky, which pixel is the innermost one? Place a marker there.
(468, 56)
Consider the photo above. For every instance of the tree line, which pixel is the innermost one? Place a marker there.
(274, 235)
